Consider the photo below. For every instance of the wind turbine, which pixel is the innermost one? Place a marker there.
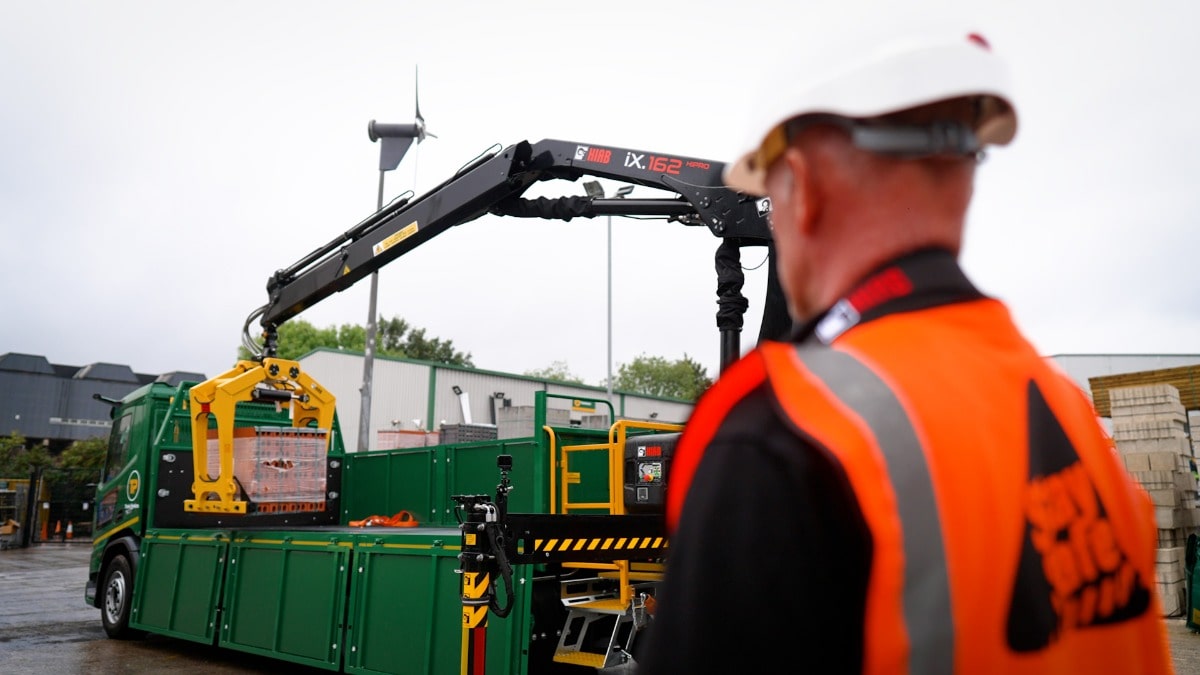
(396, 140)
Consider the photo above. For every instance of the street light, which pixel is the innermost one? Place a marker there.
(596, 191)
(394, 141)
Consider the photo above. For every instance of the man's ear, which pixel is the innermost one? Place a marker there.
(804, 196)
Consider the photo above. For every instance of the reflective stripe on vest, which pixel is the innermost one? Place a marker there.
(926, 586)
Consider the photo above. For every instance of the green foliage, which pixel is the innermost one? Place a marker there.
(389, 335)
(86, 455)
(556, 371)
(393, 337)
(656, 376)
(16, 460)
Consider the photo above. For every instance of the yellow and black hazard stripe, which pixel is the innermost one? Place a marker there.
(475, 599)
(593, 544)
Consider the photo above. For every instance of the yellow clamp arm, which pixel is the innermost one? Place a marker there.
(307, 401)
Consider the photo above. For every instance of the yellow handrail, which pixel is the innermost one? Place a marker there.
(617, 435)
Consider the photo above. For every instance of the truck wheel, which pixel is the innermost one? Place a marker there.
(117, 598)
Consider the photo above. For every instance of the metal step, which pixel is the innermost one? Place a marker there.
(600, 628)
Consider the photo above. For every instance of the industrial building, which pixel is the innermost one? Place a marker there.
(55, 404)
(421, 396)
(1095, 373)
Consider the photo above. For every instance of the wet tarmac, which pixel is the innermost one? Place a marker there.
(46, 628)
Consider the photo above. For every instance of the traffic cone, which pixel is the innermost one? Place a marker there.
(70, 530)
(57, 527)
(45, 527)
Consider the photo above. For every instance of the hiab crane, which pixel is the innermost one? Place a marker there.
(226, 507)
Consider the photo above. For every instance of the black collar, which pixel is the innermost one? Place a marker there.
(919, 280)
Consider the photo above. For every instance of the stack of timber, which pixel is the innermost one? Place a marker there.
(1151, 433)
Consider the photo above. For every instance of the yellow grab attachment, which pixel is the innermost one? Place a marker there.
(287, 386)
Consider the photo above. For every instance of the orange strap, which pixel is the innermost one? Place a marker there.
(401, 519)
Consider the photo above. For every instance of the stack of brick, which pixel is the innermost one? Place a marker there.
(1151, 433)
(397, 439)
(275, 464)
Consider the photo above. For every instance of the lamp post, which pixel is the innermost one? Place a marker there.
(396, 139)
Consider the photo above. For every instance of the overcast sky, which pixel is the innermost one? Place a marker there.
(158, 161)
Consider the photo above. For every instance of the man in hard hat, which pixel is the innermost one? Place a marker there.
(905, 486)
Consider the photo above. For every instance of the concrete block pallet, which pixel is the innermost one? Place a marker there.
(1151, 434)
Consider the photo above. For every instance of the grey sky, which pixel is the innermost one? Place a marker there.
(158, 161)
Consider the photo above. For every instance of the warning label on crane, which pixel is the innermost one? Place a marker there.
(395, 238)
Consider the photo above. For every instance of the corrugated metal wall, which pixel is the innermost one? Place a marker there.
(403, 390)
(400, 393)
(29, 400)
(655, 409)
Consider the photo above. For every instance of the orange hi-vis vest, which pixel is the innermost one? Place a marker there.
(1007, 537)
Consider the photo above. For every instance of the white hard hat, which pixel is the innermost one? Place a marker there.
(879, 80)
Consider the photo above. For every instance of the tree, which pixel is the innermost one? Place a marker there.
(393, 337)
(656, 376)
(417, 346)
(558, 371)
(299, 337)
(86, 455)
(16, 460)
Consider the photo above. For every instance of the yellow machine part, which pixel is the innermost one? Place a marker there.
(293, 389)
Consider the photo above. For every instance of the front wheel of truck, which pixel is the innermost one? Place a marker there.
(117, 598)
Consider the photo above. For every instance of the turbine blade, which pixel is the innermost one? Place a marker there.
(417, 91)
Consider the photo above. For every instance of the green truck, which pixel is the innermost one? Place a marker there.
(230, 513)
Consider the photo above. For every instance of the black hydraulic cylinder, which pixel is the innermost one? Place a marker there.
(271, 395)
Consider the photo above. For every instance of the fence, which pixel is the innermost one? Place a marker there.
(60, 508)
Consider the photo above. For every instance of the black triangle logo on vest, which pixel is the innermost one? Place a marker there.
(1071, 574)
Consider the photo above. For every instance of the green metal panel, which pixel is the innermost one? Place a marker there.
(423, 480)
(405, 608)
(1190, 555)
(472, 470)
(179, 583)
(385, 483)
(431, 396)
(285, 596)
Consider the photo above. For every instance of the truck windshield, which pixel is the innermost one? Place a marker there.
(118, 447)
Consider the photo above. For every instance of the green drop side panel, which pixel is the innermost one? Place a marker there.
(178, 585)
(472, 470)
(423, 481)
(1190, 556)
(285, 598)
(406, 611)
(383, 483)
